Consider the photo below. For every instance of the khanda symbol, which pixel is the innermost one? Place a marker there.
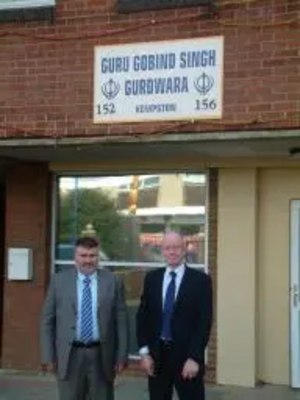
(110, 89)
(203, 83)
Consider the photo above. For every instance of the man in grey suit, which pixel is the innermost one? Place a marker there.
(84, 331)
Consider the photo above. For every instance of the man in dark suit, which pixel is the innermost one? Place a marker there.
(173, 325)
(84, 333)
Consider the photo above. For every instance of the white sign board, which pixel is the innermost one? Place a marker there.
(159, 81)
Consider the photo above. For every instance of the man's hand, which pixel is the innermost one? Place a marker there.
(48, 368)
(190, 369)
(120, 366)
(147, 364)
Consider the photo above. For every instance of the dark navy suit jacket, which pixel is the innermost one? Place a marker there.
(191, 321)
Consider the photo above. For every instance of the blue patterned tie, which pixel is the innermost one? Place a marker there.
(86, 334)
(168, 307)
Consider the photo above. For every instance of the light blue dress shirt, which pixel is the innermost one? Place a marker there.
(94, 291)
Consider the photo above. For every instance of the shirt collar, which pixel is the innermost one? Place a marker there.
(81, 276)
(179, 270)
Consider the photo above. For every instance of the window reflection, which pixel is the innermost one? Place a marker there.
(129, 214)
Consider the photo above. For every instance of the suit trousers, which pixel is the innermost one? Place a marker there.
(167, 377)
(85, 379)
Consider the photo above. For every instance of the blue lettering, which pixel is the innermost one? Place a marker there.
(114, 65)
(138, 87)
(150, 62)
(155, 108)
(196, 59)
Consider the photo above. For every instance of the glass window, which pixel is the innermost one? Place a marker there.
(130, 214)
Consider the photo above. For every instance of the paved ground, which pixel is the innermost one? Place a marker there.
(25, 387)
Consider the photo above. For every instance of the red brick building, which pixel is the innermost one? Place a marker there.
(47, 128)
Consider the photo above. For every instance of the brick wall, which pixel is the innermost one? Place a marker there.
(27, 225)
(212, 265)
(46, 90)
(46, 84)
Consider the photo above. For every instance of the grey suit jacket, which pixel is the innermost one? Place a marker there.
(59, 316)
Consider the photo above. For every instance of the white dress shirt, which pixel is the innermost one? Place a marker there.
(166, 280)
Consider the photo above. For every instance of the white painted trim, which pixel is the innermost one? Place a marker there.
(128, 264)
(176, 210)
(294, 289)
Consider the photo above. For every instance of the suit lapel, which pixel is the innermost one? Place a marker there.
(72, 288)
(159, 289)
(183, 289)
(102, 296)
(101, 288)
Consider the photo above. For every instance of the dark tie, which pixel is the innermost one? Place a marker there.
(168, 307)
(86, 334)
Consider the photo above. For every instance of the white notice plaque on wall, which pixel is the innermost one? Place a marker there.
(19, 264)
(159, 81)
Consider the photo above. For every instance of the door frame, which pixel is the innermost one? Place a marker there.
(294, 296)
